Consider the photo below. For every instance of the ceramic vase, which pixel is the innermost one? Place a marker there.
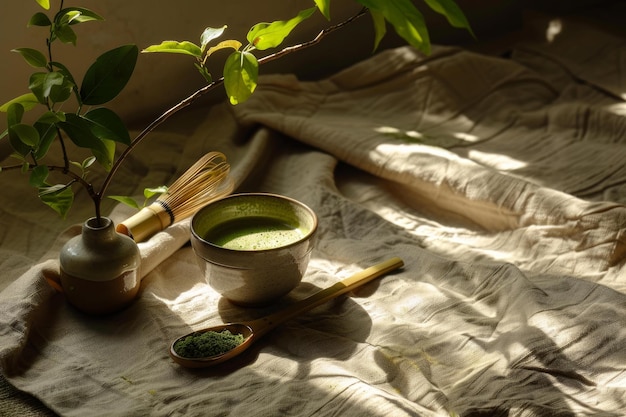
(99, 269)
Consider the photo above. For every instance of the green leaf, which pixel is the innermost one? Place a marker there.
(125, 200)
(147, 193)
(84, 165)
(241, 72)
(69, 77)
(106, 124)
(76, 164)
(407, 21)
(14, 118)
(34, 58)
(88, 162)
(65, 33)
(38, 176)
(209, 34)
(108, 76)
(380, 27)
(453, 13)
(27, 101)
(15, 112)
(58, 197)
(105, 154)
(324, 6)
(42, 83)
(47, 133)
(62, 92)
(27, 134)
(175, 47)
(44, 3)
(71, 16)
(269, 35)
(75, 15)
(51, 117)
(18, 146)
(151, 192)
(229, 44)
(39, 19)
(80, 132)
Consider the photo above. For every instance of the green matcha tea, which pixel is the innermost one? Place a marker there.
(253, 233)
(205, 344)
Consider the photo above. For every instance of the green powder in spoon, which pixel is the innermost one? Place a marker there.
(203, 344)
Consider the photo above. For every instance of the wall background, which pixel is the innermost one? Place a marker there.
(161, 80)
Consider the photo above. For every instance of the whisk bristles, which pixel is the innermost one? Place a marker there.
(203, 182)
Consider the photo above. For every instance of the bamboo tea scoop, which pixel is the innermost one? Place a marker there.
(253, 330)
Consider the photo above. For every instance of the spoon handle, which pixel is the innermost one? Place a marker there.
(267, 323)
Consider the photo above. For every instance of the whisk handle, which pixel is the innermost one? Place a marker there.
(146, 222)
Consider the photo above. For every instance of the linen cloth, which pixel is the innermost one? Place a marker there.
(498, 180)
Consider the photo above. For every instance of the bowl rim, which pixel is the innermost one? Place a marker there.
(214, 246)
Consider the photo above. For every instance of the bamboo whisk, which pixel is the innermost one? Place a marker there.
(204, 181)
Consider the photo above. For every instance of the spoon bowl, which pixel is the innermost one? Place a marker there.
(254, 329)
(234, 328)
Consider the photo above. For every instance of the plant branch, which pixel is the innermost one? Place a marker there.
(153, 125)
(66, 159)
(75, 177)
(66, 171)
(209, 87)
(312, 42)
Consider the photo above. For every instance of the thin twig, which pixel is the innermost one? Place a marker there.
(313, 41)
(75, 178)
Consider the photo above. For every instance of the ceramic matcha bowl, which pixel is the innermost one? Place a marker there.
(253, 248)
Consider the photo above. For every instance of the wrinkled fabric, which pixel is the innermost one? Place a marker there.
(498, 181)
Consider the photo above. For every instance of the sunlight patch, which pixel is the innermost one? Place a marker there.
(497, 161)
(466, 137)
(617, 108)
(441, 139)
(555, 27)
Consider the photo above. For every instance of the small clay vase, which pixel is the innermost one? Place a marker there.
(100, 268)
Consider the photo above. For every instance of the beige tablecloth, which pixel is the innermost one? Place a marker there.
(498, 181)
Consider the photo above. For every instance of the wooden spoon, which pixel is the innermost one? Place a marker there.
(254, 329)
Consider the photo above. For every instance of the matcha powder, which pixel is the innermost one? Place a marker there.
(203, 344)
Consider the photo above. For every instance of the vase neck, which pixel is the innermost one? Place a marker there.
(98, 230)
